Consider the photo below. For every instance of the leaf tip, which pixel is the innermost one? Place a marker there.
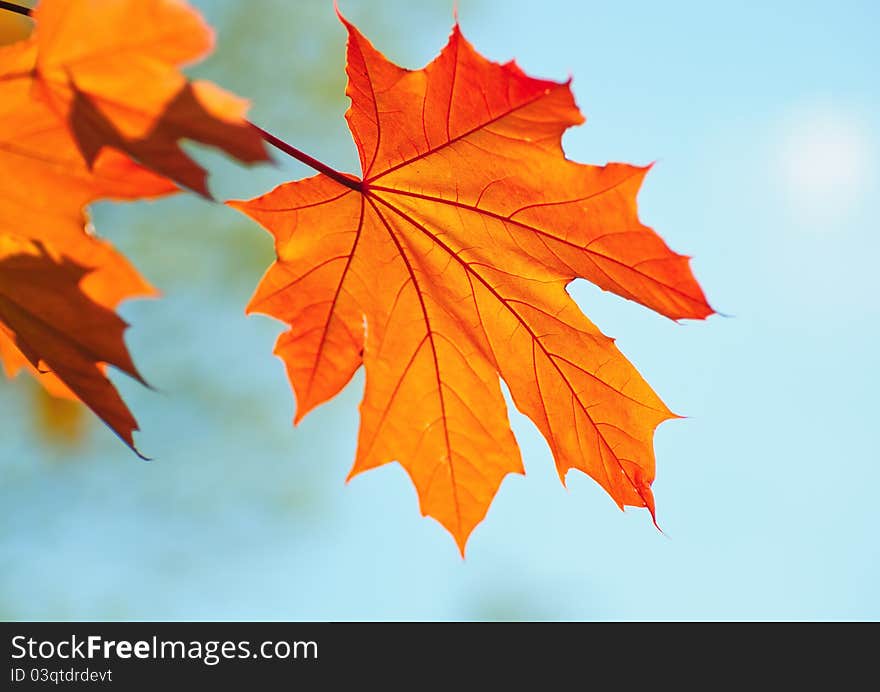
(647, 497)
(200, 187)
(300, 414)
(354, 471)
(656, 525)
(127, 436)
(563, 476)
(341, 16)
(137, 377)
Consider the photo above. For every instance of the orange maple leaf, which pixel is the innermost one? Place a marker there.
(95, 87)
(445, 267)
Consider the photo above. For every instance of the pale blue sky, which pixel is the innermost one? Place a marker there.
(765, 122)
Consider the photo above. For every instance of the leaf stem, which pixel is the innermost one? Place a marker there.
(339, 177)
(18, 9)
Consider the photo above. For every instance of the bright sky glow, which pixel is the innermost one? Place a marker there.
(824, 164)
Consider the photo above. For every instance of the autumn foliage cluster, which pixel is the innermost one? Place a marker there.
(441, 269)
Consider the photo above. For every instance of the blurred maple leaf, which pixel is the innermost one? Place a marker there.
(92, 106)
(52, 323)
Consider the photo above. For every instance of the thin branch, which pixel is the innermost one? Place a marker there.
(18, 9)
(339, 177)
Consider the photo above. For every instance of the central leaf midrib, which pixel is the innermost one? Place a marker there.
(430, 337)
